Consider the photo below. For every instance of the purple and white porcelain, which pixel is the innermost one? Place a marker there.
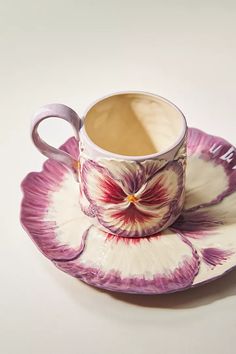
(131, 162)
(199, 247)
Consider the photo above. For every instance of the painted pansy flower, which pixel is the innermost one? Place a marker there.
(131, 198)
(198, 247)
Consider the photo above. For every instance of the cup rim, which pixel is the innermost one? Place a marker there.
(134, 157)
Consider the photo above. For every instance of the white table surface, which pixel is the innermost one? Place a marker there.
(74, 52)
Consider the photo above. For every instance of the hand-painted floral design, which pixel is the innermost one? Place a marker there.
(198, 247)
(131, 198)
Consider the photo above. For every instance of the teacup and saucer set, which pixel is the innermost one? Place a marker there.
(136, 202)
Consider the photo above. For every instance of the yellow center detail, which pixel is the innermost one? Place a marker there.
(76, 165)
(131, 198)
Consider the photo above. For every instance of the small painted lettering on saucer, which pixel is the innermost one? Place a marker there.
(228, 156)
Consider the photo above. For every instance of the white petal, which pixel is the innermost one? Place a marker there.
(205, 181)
(64, 210)
(163, 188)
(159, 264)
(215, 243)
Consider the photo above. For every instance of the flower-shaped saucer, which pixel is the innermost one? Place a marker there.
(199, 247)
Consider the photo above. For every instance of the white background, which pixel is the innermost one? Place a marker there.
(74, 52)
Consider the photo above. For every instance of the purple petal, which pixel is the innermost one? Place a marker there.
(157, 206)
(211, 169)
(215, 256)
(151, 167)
(180, 279)
(170, 263)
(128, 174)
(99, 186)
(39, 189)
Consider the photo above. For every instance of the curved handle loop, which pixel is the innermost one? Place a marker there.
(58, 111)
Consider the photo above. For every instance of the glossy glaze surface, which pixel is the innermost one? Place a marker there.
(198, 247)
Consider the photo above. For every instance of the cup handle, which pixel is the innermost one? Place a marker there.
(58, 111)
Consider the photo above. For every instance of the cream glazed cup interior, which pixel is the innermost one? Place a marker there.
(132, 125)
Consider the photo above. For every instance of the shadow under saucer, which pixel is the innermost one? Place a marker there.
(194, 297)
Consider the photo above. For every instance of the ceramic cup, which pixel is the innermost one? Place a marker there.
(132, 159)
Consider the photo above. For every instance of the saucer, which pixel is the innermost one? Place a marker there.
(199, 247)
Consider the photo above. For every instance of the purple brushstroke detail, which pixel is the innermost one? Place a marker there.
(189, 243)
(171, 215)
(181, 278)
(36, 187)
(40, 205)
(71, 147)
(87, 167)
(196, 224)
(90, 210)
(160, 225)
(151, 168)
(178, 204)
(131, 180)
(177, 167)
(214, 201)
(200, 142)
(215, 256)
